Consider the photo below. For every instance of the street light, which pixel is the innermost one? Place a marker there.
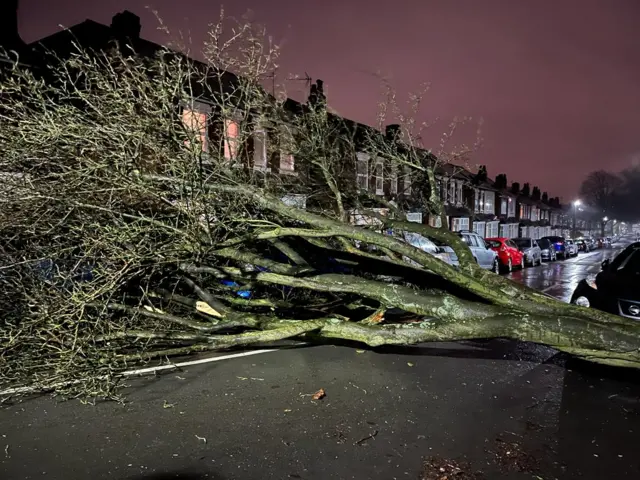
(576, 204)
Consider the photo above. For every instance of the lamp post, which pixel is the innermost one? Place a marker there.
(604, 226)
(576, 204)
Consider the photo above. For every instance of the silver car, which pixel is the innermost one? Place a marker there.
(482, 253)
(547, 250)
(531, 250)
(572, 247)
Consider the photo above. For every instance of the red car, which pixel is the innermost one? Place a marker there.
(508, 253)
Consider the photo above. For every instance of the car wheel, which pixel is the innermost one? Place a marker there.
(496, 266)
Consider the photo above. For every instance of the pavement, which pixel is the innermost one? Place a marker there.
(498, 409)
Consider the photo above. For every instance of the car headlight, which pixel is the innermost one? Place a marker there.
(582, 302)
(591, 281)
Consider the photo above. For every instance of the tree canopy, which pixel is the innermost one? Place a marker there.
(133, 228)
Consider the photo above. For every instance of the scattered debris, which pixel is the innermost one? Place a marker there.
(368, 437)
(360, 351)
(359, 388)
(410, 364)
(168, 405)
(436, 468)
(512, 456)
(319, 395)
(180, 378)
(251, 378)
(287, 410)
(201, 439)
(6, 451)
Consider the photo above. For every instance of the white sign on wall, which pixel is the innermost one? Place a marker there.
(415, 217)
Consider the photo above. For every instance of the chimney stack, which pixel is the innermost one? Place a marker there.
(392, 132)
(9, 36)
(316, 94)
(126, 24)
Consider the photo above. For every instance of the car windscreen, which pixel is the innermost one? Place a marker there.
(522, 242)
(418, 241)
(555, 239)
(544, 243)
(492, 243)
(631, 266)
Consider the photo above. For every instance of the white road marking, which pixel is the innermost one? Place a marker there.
(139, 371)
(144, 371)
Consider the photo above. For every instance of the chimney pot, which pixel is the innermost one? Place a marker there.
(126, 23)
(9, 36)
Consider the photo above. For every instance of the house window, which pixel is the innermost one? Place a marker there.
(489, 202)
(493, 229)
(379, 177)
(435, 221)
(195, 121)
(393, 180)
(287, 161)
(512, 208)
(479, 228)
(231, 139)
(442, 189)
(260, 149)
(459, 223)
(362, 171)
(503, 206)
(406, 181)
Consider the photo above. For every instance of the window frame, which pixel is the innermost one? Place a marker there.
(362, 178)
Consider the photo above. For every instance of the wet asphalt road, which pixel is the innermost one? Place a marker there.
(384, 411)
(560, 278)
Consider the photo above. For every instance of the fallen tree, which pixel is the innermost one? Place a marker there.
(132, 232)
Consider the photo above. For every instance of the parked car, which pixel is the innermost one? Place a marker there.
(591, 242)
(571, 247)
(559, 245)
(484, 255)
(583, 245)
(437, 249)
(531, 250)
(547, 250)
(508, 253)
(616, 289)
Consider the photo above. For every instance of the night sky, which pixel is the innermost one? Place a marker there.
(556, 81)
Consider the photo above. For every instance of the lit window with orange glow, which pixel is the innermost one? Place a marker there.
(196, 123)
(231, 139)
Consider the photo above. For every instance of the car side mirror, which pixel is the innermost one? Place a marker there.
(605, 264)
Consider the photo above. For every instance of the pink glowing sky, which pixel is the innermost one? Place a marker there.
(556, 81)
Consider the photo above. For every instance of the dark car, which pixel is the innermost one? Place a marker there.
(616, 289)
(583, 245)
(559, 245)
(547, 250)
